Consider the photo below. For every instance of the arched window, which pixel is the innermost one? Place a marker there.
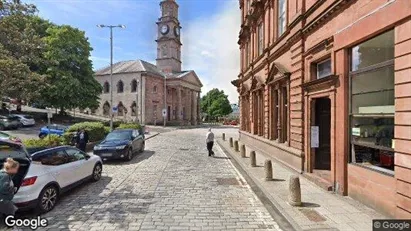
(134, 85)
(120, 87)
(106, 87)
(106, 109)
(155, 89)
(121, 109)
(133, 109)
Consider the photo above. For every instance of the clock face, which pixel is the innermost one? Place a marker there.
(177, 31)
(164, 29)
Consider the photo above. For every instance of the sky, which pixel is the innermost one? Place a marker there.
(209, 34)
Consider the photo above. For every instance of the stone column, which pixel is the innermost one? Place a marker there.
(198, 108)
(179, 106)
(193, 108)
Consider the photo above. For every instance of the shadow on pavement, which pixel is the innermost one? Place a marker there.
(137, 158)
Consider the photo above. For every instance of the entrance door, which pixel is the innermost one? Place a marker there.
(169, 113)
(323, 121)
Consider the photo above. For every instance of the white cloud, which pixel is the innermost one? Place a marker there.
(210, 48)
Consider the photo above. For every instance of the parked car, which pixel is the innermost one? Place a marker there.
(5, 136)
(121, 144)
(9, 122)
(26, 120)
(55, 129)
(45, 175)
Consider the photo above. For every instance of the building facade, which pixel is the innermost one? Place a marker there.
(325, 88)
(150, 93)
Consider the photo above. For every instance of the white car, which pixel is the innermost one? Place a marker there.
(43, 176)
(26, 120)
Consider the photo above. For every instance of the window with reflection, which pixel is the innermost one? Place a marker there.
(372, 103)
(282, 6)
(323, 69)
(260, 39)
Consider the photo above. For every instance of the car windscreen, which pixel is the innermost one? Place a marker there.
(13, 117)
(123, 135)
(4, 135)
(28, 117)
(12, 151)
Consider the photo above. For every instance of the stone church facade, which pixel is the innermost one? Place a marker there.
(141, 90)
(325, 89)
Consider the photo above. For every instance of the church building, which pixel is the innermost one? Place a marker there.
(149, 93)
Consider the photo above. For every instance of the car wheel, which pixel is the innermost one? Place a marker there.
(143, 147)
(48, 199)
(97, 172)
(129, 155)
(41, 136)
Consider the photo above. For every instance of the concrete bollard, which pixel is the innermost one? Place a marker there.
(294, 197)
(268, 168)
(231, 142)
(224, 136)
(236, 145)
(242, 151)
(253, 160)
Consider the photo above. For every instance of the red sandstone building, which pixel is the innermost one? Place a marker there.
(325, 88)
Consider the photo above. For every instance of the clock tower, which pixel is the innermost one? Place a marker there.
(168, 38)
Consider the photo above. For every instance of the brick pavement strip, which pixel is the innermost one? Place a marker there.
(173, 185)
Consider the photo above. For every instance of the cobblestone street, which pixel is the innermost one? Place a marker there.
(173, 185)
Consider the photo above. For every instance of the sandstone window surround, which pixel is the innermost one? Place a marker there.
(257, 95)
(120, 86)
(372, 103)
(134, 85)
(106, 87)
(278, 93)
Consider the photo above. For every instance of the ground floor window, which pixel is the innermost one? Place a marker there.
(278, 123)
(372, 103)
(258, 112)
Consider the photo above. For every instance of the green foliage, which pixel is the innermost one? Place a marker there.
(106, 130)
(48, 141)
(70, 75)
(215, 103)
(129, 126)
(96, 130)
(115, 124)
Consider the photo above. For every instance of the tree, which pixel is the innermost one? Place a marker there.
(70, 79)
(215, 103)
(20, 50)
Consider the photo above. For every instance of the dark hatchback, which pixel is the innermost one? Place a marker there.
(120, 144)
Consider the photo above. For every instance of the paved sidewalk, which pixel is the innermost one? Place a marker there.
(321, 210)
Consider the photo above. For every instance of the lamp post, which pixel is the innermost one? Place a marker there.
(111, 67)
(165, 100)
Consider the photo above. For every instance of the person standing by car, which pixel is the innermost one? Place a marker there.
(82, 140)
(210, 142)
(7, 189)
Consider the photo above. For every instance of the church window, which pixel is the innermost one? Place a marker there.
(120, 87)
(134, 85)
(134, 109)
(155, 89)
(121, 110)
(106, 87)
(106, 109)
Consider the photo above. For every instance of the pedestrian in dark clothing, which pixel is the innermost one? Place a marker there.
(210, 142)
(7, 208)
(82, 140)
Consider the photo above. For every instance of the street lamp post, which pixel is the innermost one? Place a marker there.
(111, 67)
(165, 100)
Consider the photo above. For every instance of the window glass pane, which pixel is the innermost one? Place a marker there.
(53, 159)
(373, 103)
(75, 155)
(381, 79)
(324, 69)
(372, 142)
(373, 51)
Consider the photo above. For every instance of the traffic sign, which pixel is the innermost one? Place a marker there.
(164, 112)
(115, 109)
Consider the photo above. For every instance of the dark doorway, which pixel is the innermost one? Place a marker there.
(168, 113)
(323, 121)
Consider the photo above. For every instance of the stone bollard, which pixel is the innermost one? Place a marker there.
(242, 151)
(253, 160)
(268, 167)
(224, 136)
(236, 145)
(294, 197)
(231, 142)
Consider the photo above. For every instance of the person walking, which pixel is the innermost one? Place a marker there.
(210, 142)
(82, 140)
(7, 189)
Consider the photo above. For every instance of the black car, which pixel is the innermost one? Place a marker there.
(121, 144)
